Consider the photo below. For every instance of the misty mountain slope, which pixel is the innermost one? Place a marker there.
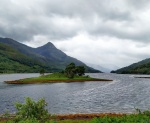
(142, 67)
(46, 56)
(50, 51)
(106, 70)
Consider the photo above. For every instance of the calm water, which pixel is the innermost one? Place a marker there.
(121, 95)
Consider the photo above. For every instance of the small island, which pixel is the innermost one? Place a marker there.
(71, 73)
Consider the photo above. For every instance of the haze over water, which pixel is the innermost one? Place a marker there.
(124, 94)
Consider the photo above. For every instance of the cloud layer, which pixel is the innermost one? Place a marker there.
(94, 31)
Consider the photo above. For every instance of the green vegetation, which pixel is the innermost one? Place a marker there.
(72, 70)
(12, 61)
(32, 110)
(142, 67)
(140, 118)
(124, 119)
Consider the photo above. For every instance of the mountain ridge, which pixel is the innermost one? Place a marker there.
(141, 67)
(46, 56)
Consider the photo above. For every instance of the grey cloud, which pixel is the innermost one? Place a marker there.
(23, 24)
(121, 33)
(36, 18)
(85, 9)
(138, 4)
(120, 16)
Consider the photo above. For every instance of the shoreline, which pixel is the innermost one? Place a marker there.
(85, 116)
(55, 81)
(72, 116)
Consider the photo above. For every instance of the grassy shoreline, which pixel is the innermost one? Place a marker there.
(90, 118)
(56, 78)
(73, 117)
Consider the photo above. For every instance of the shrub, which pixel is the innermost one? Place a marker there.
(147, 113)
(32, 110)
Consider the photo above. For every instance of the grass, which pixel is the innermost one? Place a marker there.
(132, 118)
(55, 77)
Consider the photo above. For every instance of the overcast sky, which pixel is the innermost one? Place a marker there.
(101, 32)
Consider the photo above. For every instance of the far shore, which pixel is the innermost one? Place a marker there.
(142, 77)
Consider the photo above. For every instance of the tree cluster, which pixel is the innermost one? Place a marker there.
(72, 70)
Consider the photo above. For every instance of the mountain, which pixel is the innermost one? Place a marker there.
(52, 53)
(17, 57)
(141, 67)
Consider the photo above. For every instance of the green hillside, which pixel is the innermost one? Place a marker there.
(11, 61)
(142, 67)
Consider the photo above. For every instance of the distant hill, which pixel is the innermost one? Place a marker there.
(142, 67)
(16, 57)
(106, 68)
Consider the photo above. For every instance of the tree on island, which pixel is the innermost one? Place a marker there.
(72, 70)
(80, 70)
(42, 71)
